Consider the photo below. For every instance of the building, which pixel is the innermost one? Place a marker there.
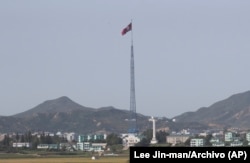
(214, 140)
(129, 140)
(229, 136)
(84, 143)
(87, 146)
(177, 139)
(70, 136)
(248, 136)
(236, 143)
(197, 142)
(22, 145)
(91, 137)
(218, 144)
(47, 146)
(67, 146)
(2, 136)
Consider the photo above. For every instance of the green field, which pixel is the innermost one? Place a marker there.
(33, 157)
(116, 159)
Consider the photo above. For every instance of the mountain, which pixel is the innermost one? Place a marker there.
(233, 111)
(62, 105)
(63, 114)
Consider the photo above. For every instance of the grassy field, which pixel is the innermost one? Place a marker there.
(50, 157)
(67, 160)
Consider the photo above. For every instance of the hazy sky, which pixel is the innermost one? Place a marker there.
(188, 53)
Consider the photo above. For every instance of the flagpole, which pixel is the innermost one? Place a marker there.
(133, 120)
(131, 33)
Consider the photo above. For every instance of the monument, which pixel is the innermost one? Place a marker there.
(154, 140)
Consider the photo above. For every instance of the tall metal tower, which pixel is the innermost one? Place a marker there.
(133, 118)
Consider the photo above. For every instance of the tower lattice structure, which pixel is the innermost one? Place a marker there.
(133, 118)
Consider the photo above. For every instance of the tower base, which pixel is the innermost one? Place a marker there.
(153, 141)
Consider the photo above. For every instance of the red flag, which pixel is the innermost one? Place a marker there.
(127, 29)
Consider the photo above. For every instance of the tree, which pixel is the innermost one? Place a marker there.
(143, 143)
(22, 138)
(207, 140)
(28, 136)
(116, 148)
(161, 136)
(48, 140)
(6, 140)
(187, 142)
(148, 134)
(35, 142)
(146, 138)
(42, 138)
(113, 139)
(17, 137)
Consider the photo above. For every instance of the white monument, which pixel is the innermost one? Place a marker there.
(154, 140)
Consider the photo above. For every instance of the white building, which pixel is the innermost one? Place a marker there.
(197, 142)
(177, 139)
(70, 136)
(129, 140)
(248, 136)
(89, 137)
(236, 143)
(20, 145)
(229, 136)
(87, 146)
(47, 146)
(59, 134)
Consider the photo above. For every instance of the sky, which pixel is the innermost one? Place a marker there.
(188, 54)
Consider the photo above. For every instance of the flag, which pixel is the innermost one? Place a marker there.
(127, 29)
